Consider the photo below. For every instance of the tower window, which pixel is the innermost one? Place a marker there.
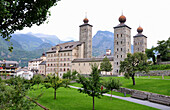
(117, 71)
(117, 43)
(121, 35)
(117, 49)
(121, 49)
(117, 63)
(121, 42)
(117, 35)
(117, 56)
(121, 56)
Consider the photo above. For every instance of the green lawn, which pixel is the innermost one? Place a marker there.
(159, 86)
(71, 99)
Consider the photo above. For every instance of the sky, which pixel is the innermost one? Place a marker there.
(152, 15)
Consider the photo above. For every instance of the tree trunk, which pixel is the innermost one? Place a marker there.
(93, 102)
(54, 93)
(111, 94)
(133, 78)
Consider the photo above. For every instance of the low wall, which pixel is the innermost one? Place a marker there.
(156, 73)
(157, 98)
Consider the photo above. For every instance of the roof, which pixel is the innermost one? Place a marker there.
(68, 46)
(139, 35)
(121, 25)
(37, 59)
(85, 25)
(43, 63)
(9, 62)
(52, 50)
(91, 59)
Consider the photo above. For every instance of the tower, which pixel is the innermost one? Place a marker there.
(86, 37)
(139, 41)
(122, 42)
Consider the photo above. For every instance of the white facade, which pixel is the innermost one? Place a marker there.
(25, 74)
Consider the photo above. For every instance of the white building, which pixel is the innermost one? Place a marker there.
(25, 73)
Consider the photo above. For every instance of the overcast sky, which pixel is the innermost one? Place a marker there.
(152, 15)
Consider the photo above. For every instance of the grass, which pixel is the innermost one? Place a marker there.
(113, 92)
(71, 99)
(159, 86)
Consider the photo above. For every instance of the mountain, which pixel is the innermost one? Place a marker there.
(28, 42)
(52, 39)
(29, 46)
(101, 41)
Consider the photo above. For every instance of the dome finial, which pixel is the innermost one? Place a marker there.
(85, 19)
(122, 18)
(139, 29)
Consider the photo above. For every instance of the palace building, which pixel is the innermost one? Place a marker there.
(78, 55)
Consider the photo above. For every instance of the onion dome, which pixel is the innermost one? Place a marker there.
(140, 29)
(43, 54)
(122, 19)
(85, 20)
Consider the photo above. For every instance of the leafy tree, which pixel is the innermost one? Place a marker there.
(91, 85)
(37, 79)
(133, 63)
(164, 49)
(106, 65)
(17, 14)
(112, 84)
(12, 94)
(70, 76)
(55, 82)
(150, 54)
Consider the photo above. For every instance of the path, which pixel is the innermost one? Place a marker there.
(143, 102)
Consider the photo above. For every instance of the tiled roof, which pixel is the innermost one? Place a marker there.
(122, 25)
(9, 64)
(91, 59)
(139, 35)
(68, 46)
(43, 63)
(37, 59)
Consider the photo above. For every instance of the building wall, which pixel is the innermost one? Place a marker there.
(60, 61)
(122, 46)
(139, 44)
(85, 67)
(33, 65)
(51, 63)
(86, 37)
(42, 69)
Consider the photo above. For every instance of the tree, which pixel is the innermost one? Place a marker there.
(13, 92)
(106, 65)
(133, 63)
(91, 85)
(37, 79)
(112, 84)
(164, 49)
(55, 82)
(17, 14)
(70, 76)
(150, 54)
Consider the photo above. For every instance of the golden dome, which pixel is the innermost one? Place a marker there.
(140, 29)
(85, 20)
(122, 19)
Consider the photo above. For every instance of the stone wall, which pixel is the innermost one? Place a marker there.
(157, 98)
(155, 73)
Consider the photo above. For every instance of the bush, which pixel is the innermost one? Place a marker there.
(159, 67)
